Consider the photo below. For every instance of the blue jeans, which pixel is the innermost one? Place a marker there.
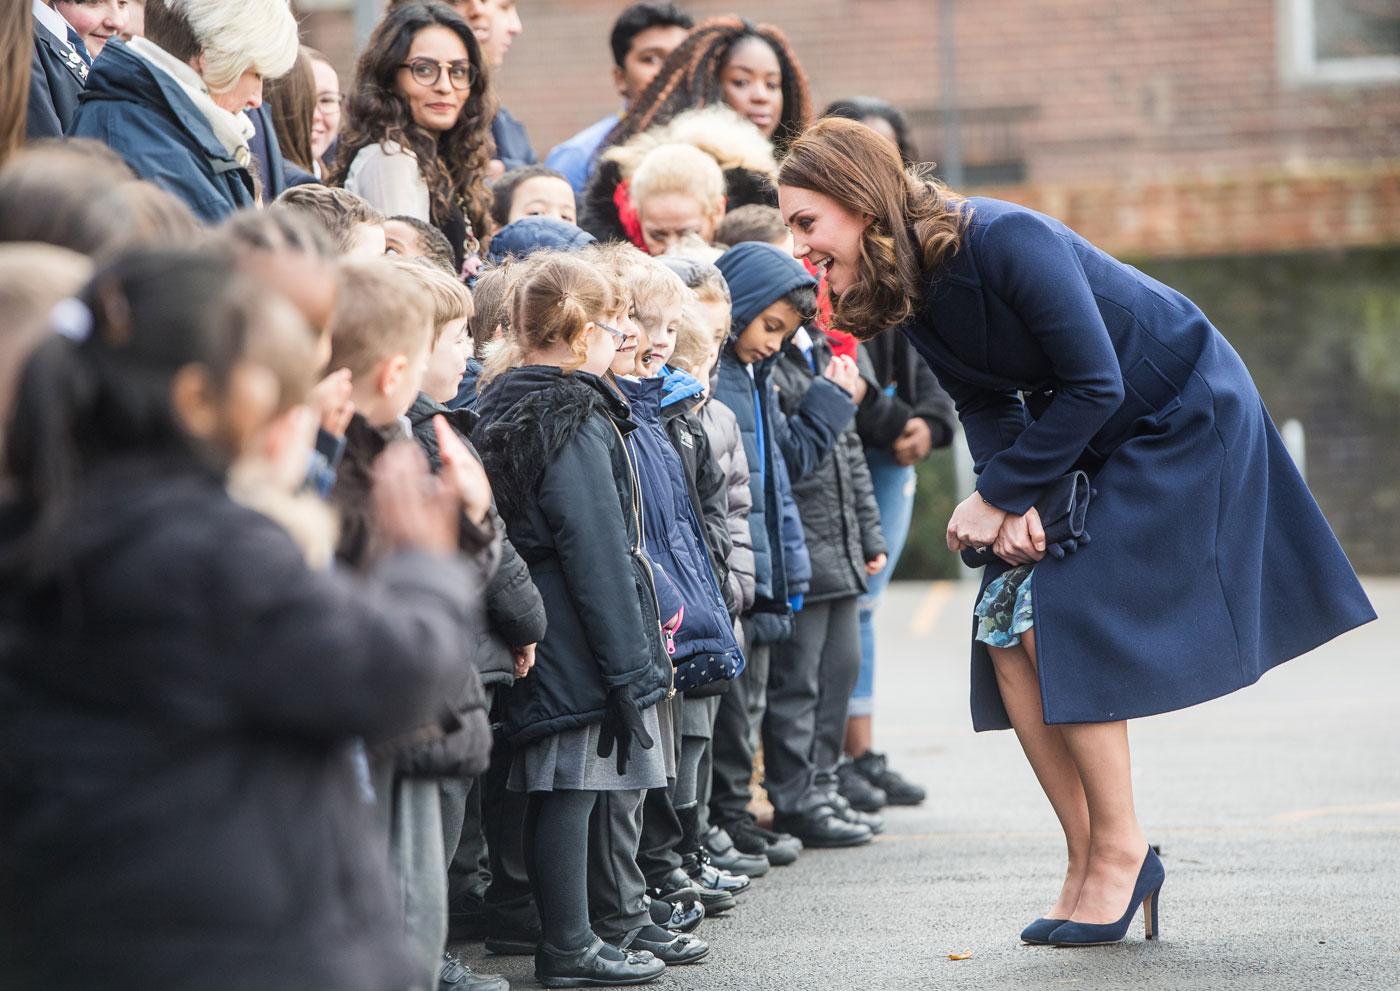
(894, 492)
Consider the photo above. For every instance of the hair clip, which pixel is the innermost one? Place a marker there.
(72, 319)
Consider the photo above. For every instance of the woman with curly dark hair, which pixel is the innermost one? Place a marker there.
(751, 67)
(417, 140)
(726, 61)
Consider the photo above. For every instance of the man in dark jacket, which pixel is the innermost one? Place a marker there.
(811, 677)
(58, 73)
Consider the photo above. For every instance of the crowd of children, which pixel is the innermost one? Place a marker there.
(394, 562)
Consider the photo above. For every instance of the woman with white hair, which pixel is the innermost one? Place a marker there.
(172, 103)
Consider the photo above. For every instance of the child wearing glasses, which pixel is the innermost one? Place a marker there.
(584, 725)
(417, 133)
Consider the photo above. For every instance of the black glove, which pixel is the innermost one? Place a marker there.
(622, 724)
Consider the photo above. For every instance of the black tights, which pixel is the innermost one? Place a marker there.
(556, 860)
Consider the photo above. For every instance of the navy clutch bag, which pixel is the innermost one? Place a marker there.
(1063, 507)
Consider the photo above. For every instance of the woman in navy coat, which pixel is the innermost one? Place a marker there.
(1210, 562)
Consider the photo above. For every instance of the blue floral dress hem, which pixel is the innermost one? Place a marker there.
(1005, 611)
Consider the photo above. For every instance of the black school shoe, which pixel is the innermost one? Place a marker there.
(822, 827)
(586, 969)
(780, 848)
(677, 950)
(872, 822)
(875, 768)
(677, 886)
(854, 788)
(728, 857)
(457, 976)
(704, 874)
(683, 915)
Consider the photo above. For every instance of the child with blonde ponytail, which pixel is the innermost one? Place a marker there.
(584, 724)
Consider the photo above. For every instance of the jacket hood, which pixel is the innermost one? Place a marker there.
(678, 386)
(758, 275)
(728, 138)
(122, 75)
(530, 234)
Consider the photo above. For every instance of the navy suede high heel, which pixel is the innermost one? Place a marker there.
(1146, 892)
(1038, 932)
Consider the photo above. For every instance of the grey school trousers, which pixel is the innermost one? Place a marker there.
(809, 692)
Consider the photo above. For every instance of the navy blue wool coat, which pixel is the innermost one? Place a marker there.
(1210, 562)
(143, 115)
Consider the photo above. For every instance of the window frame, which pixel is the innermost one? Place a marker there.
(1298, 51)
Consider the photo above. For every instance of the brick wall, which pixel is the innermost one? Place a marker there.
(1156, 129)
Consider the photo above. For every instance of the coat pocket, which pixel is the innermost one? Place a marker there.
(1147, 392)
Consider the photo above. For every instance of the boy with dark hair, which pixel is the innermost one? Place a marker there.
(772, 295)
(642, 36)
(532, 191)
(409, 237)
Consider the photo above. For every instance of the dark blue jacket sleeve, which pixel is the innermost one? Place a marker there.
(809, 434)
(42, 119)
(1038, 274)
(797, 560)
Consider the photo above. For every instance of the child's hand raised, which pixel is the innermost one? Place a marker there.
(412, 509)
(844, 372)
(463, 472)
(330, 398)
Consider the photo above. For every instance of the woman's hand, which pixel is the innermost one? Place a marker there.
(1021, 540)
(876, 564)
(975, 524)
(463, 472)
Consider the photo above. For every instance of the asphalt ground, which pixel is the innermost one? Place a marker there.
(1277, 811)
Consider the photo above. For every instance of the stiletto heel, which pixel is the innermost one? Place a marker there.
(1146, 892)
(1149, 913)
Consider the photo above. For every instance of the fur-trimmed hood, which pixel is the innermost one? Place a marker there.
(718, 131)
(739, 147)
(528, 415)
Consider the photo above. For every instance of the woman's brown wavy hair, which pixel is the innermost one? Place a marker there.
(453, 164)
(690, 78)
(918, 222)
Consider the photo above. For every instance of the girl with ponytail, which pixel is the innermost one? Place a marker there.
(584, 725)
(179, 694)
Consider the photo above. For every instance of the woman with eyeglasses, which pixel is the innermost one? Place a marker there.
(325, 122)
(417, 138)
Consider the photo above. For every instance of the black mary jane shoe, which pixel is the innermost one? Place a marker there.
(678, 886)
(586, 969)
(683, 915)
(679, 950)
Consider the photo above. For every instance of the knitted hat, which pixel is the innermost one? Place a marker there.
(530, 234)
(759, 275)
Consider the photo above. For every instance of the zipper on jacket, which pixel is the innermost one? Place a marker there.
(637, 549)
